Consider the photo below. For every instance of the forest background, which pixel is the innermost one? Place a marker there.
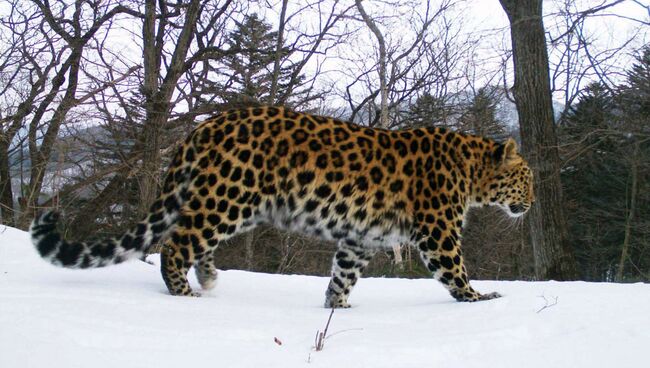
(96, 95)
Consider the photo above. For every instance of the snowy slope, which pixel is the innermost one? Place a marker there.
(122, 317)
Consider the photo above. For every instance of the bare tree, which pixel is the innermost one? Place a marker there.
(52, 62)
(306, 46)
(383, 91)
(159, 94)
(634, 179)
(578, 56)
(17, 101)
(424, 63)
(164, 70)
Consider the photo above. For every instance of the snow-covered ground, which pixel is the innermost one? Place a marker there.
(122, 317)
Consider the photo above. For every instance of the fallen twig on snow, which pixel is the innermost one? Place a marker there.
(341, 331)
(546, 303)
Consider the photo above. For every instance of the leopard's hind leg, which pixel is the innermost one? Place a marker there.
(347, 267)
(191, 243)
(177, 257)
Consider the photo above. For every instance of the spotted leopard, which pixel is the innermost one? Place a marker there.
(361, 187)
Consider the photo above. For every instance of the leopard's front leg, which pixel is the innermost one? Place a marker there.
(440, 251)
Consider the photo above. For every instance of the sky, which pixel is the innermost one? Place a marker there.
(485, 20)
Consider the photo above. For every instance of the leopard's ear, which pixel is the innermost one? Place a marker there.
(503, 152)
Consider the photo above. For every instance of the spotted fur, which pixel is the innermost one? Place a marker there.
(364, 188)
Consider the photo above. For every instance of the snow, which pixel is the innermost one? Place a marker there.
(122, 316)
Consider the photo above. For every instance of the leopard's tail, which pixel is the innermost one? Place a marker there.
(163, 215)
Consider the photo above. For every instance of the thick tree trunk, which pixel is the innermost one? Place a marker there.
(532, 92)
(158, 95)
(149, 175)
(14, 123)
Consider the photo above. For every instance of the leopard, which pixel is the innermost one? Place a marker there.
(363, 188)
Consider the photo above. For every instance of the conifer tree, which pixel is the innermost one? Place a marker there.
(634, 96)
(428, 110)
(590, 179)
(634, 108)
(606, 176)
(480, 116)
(248, 73)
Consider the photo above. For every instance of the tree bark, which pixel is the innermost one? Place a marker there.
(548, 230)
(148, 176)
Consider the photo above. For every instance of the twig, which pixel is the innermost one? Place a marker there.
(546, 303)
(320, 336)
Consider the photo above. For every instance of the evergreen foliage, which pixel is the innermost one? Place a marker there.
(247, 75)
(479, 117)
(428, 110)
(606, 176)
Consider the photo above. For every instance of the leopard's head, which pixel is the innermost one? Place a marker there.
(508, 184)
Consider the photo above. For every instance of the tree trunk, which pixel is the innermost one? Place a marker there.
(6, 193)
(532, 92)
(14, 124)
(630, 214)
(158, 96)
(278, 54)
(148, 175)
